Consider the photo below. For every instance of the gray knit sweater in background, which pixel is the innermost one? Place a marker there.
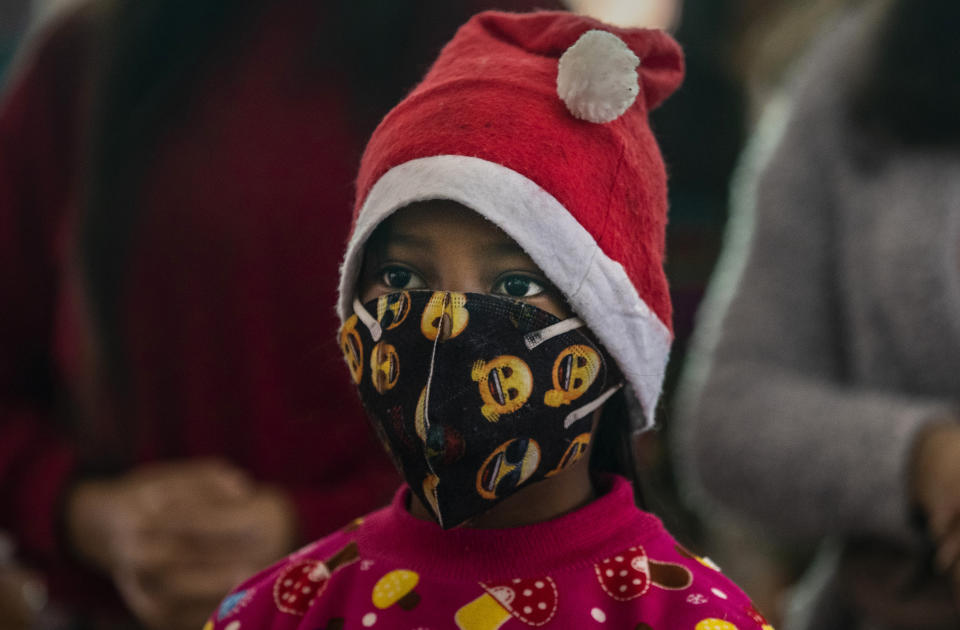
(830, 334)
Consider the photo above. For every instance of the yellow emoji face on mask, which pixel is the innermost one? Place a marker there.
(420, 416)
(511, 464)
(439, 308)
(430, 484)
(573, 454)
(352, 348)
(574, 371)
(384, 366)
(505, 383)
(392, 309)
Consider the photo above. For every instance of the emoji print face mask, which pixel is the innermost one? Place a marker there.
(475, 396)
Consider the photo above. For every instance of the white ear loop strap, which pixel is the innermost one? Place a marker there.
(589, 408)
(368, 320)
(535, 338)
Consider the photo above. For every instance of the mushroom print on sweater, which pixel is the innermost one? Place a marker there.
(607, 565)
(532, 601)
(301, 582)
(630, 573)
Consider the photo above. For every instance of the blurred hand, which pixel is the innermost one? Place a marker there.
(936, 487)
(176, 537)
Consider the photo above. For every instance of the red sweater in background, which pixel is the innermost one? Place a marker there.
(229, 301)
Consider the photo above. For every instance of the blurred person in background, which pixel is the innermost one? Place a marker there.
(173, 410)
(770, 38)
(739, 54)
(13, 22)
(821, 395)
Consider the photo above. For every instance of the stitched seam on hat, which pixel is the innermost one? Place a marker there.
(605, 224)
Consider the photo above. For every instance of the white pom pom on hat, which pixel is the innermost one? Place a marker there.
(597, 77)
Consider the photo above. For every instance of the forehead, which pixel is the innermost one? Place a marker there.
(439, 216)
(437, 222)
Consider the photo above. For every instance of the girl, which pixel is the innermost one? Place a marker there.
(505, 320)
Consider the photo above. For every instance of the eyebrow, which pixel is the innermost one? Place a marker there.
(500, 248)
(493, 251)
(400, 238)
(503, 248)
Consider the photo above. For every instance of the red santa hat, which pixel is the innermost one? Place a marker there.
(538, 122)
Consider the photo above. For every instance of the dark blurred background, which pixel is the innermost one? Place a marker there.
(737, 54)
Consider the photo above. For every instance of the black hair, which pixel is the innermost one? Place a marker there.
(613, 449)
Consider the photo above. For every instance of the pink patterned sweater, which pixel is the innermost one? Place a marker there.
(606, 565)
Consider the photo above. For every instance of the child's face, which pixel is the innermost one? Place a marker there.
(442, 245)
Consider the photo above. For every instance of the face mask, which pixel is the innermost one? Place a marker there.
(475, 396)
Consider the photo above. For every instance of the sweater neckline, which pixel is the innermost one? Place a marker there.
(605, 526)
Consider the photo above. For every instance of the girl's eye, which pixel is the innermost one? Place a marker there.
(401, 278)
(518, 287)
